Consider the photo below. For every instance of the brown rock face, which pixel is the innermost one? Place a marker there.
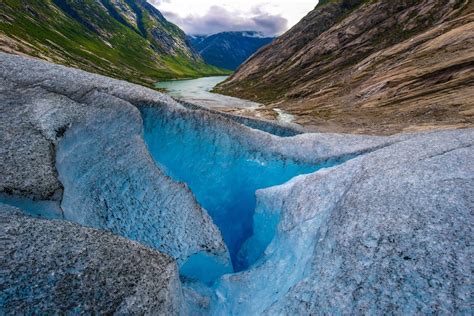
(362, 66)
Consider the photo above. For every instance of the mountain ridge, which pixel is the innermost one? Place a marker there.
(228, 50)
(368, 67)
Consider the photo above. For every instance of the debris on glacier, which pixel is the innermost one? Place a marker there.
(57, 267)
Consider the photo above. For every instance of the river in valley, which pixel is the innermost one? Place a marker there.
(198, 91)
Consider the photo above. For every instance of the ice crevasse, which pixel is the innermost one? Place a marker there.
(239, 176)
(256, 223)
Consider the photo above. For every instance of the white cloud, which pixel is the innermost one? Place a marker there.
(219, 19)
(212, 16)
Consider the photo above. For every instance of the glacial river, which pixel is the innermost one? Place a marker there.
(198, 91)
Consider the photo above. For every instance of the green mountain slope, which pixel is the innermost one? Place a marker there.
(125, 39)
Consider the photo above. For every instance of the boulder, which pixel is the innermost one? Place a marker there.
(57, 267)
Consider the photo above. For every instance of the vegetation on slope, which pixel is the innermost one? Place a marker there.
(125, 39)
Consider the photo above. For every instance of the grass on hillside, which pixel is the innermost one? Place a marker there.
(48, 32)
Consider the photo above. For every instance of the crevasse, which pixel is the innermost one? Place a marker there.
(224, 172)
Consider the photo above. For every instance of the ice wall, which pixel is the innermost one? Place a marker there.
(223, 172)
(386, 232)
(287, 259)
(111, 182)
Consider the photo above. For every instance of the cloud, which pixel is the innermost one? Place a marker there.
(158, 2)
(219, 19)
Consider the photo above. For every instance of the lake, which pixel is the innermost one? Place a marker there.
(198, 91)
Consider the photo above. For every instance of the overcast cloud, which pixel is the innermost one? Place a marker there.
(219, 19)
(214, 16)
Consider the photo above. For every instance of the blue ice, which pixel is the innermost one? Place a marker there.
(38, 208)
(223, 174)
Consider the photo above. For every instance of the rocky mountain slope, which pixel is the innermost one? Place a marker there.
(229, 50)
(126, 39)
(377, 66)
(384, 226)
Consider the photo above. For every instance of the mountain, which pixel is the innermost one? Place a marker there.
(369, 66)
(229, 49)
(125, 39)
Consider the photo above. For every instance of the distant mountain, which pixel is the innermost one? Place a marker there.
(369, 66)
(126, 39)
(229, 49)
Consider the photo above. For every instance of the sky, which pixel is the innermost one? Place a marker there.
(270, 17)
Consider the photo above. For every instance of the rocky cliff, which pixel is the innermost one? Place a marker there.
(369, 66)
(126, 39)
(229, 50)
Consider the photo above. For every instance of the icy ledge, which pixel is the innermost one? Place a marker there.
(388, 230)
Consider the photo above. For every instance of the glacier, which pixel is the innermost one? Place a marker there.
(258, 218)
(80, 146)
(222, 173)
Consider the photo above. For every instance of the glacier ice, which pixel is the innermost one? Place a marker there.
(111, 182)
(38, 208)
(286, 261)
(386, 232)
(204, 268)
(223, 174)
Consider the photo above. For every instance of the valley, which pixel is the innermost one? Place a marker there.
(199, 91)
(250, 166)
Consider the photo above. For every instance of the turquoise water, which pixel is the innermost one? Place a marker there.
(223, 174)
(198, 91)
